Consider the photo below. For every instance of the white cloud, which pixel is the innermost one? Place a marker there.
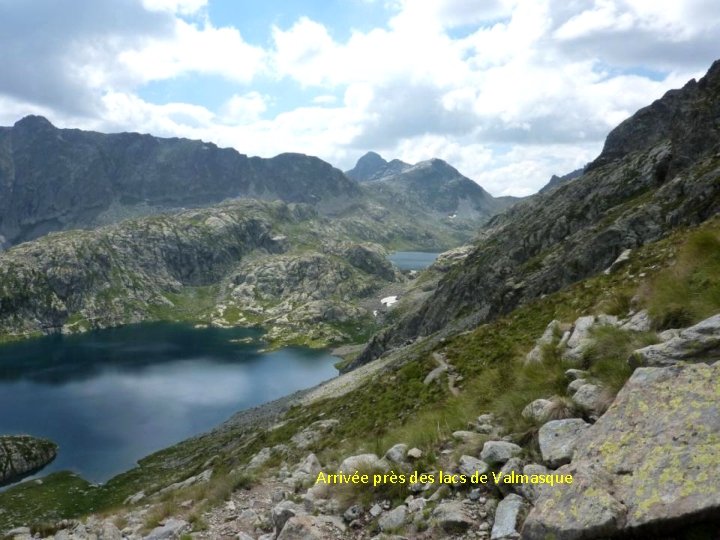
(185, 7)
(508, 91)
(194, 49)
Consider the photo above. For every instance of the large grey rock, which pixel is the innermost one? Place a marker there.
(284, 511)
(21, 455)
(618, 263)
(513, 465)
(170, 530)
(531, 491)
(397, 453)
(538, 410)
(699, 343)
(509, 518)
(393, 520)
(535, 355)
(311, 528)
(557, 440)
(498, 452)
(648, 464)
(313, 433)
(306, 471)
(469, 465)
(363, 462)
(639, 322)
(452, 517)
(581, 331)
(592, 399)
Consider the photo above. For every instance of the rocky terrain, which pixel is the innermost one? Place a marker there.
(576, 342)
(53, 179)
(242, 263)
(631, 194)
(433, 187)
(21, 455)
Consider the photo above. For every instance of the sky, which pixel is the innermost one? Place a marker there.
(507, 91)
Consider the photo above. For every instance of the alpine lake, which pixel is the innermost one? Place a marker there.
(110, 397)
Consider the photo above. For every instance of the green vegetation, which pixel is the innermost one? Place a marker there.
(397, 407)
(689, 290)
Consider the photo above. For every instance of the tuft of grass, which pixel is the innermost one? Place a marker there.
(689, 290)
(606, 358)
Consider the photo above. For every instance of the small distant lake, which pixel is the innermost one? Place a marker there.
(412, 260)
(113, 396)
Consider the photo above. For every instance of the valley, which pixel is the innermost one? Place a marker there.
(574, 332)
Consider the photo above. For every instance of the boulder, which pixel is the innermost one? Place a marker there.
(639, 322)
(414, 453)
(172, 528)
(649, 464)
(307, 437)
(363, 462)
(452, 517)
(21, 455)
(557, 440)
(394, 519)
(397, 454)
(538, 410)
(536, 354)
(306, 471)
(621, 261)
(581, 331)
(498, 452)
(284, 511)
(575, 386)
(466, 436)
(575, 374)
(509, 518)
(699, 343)
(469, 465)
(531, 491)
(311, 528)
(513, 465)
(592, 399)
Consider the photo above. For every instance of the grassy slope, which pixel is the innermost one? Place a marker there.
(397, 407)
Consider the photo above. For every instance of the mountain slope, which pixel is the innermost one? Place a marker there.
(245, 263)
(659, 170)
(439, 190)
(53, 179)
(372, 166)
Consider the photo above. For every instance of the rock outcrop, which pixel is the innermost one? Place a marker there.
(647, 466)
(21, 455)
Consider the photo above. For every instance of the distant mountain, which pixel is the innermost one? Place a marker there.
(54, 179)
(433, 186)
(659, 170)
(557, 181)
(373, 167)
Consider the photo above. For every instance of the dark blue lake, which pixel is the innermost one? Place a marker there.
(113, 396)
(412, 260)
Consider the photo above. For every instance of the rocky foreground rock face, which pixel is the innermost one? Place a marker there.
(21, 455)
(649, 464)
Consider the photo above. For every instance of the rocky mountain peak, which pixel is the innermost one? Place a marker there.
(367, 166)
(687, 118)
(34, 122)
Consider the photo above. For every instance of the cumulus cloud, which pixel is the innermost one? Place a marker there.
(509, 92)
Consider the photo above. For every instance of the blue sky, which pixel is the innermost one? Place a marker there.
(508, 91)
